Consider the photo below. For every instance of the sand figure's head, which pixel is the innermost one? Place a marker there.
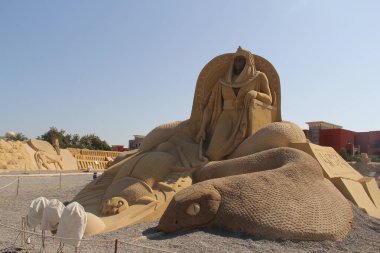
(192, 207)
(113, 206)
(239, 63)
(242, 69)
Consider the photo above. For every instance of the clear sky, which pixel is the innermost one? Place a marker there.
(119, 68)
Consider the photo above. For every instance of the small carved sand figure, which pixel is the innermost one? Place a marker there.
(43, 159)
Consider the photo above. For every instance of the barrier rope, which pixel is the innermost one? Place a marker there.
(8, 184)
(83, 240)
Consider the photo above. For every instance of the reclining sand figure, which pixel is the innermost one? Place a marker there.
(236, 112)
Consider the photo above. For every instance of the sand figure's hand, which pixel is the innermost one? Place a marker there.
(248, 98)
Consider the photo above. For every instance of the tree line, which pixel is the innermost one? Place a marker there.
(88, 141)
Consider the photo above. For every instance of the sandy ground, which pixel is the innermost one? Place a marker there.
(365, 237)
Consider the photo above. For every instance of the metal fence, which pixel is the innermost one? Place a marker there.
(30, 241)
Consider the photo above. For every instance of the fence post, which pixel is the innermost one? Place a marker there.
(22, 232)
(43, 239)
(116, 242)
(18, 185)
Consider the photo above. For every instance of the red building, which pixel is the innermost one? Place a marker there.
(119, 148)
(369, 142)
(327, 134)
(337, 139)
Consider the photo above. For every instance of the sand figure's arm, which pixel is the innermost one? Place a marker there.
(263, 94)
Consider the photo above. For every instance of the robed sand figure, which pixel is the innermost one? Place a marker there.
(226, 120)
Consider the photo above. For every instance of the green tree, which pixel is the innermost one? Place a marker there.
(75, 141)
(15, 137)
(63, 139)
(91, 141)
(344, 154)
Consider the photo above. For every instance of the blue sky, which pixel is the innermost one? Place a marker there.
(119, 68)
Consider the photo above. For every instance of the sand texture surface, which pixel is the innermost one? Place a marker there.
(365, 236)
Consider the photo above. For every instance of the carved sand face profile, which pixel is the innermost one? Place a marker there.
(190, 208)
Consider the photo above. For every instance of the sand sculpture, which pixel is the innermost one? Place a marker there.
(169, 154)
(50, 157)
(236, 114)
(41, 155)
(34, 155)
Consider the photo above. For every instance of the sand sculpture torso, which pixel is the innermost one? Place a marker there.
(225, 119)
(233, 116)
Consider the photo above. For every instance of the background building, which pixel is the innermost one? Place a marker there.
(328, 134)
(133, 144)
(119, 148)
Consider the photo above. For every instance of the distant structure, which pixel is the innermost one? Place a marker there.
(315, 128)
(134, 144)
(328, 134)
(119, 148)
(94, 159)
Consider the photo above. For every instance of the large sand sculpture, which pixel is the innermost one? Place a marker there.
(232, 140)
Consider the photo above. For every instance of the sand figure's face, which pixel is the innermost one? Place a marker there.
(239, 64)
(113, 206)
(192, 207)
